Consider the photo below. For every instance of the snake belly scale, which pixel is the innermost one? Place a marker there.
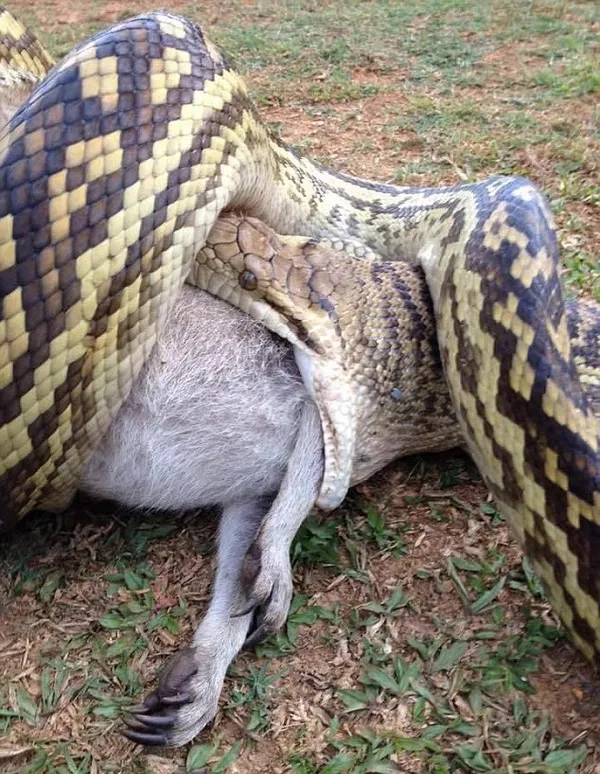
(112, 175)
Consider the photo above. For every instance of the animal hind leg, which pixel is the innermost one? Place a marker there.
(253, 566)
(266, 572)
(189, 685)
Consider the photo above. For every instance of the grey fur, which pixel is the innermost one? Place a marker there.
(220, 416)
(212, 419)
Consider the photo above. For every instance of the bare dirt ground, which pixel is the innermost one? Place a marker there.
(91, 604)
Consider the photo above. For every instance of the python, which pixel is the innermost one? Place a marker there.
(418, 318)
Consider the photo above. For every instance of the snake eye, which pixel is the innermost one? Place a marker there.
(248, 280)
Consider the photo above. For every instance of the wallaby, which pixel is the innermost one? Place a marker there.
(219, 416)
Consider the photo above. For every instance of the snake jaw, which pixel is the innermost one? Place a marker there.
(327, 383)
(249, 266)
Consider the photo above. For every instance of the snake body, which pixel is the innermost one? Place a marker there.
(420, 316)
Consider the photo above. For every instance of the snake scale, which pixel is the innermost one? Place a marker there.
(420, 317)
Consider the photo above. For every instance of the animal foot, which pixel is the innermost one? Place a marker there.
(267, 580)
(184, 702)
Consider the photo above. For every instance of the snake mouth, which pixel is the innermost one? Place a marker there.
(298, 331)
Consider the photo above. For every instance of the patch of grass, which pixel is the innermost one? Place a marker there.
(60, 761)
(253, 690)
(373, 613)
(444, 696)
(317, 543)
(583, 272)
(376, 531)
(339, 87)
(461, 698)
(577, 79)
(201, 754)
(301, 614)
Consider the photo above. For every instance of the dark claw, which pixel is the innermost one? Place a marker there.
(177, 671)
(256, 636)
(151, 721)
(134, 725)
(259, 630)
(151, 703)
(178, 700)
(137, 724)
(148, 739)
(136, 709)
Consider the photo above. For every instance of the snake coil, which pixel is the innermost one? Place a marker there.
(113, 174)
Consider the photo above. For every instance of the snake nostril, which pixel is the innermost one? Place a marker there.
(248, 280)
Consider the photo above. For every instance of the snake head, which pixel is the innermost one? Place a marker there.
(292, 286)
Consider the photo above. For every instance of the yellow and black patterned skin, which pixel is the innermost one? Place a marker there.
(524, 414)
(112, 175)
(108, 184)
(584, 331)
(524, 402)
(23, 63)
(365, 338)
(20, 50)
